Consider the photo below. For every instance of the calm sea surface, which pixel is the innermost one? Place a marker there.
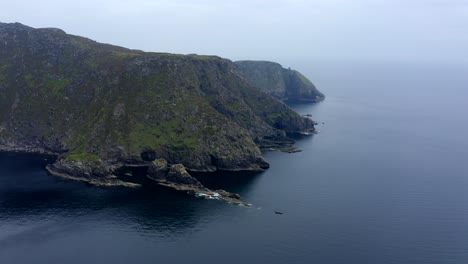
(385, 181)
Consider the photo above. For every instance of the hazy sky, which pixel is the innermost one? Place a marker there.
(423, 30)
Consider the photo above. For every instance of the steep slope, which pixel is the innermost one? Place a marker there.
(284, 84)
(106, 106)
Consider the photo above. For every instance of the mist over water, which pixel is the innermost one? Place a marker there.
(385, 181)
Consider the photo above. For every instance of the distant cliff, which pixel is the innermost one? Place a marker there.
(284, 84)
(100, 107)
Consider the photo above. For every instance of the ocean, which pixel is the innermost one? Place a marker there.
(384, 181)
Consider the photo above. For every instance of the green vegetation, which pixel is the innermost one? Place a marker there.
(167, 133)
(56, 86)
(82, 157)
(302, 78)
(182, 56)
(29, 79)
(274, 117)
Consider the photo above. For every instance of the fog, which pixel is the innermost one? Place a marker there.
(279, 30)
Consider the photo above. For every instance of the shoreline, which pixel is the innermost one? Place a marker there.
(109, 183)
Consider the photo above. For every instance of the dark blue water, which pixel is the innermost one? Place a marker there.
(385, 181)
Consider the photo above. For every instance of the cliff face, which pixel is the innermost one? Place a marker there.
(284, 84)
(98, 103)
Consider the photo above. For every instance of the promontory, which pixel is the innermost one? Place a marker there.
(100, 107)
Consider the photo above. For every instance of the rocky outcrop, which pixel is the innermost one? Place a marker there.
(93, 172)
(158, 170)
(177, 178)
(284, 84)
(103, 174)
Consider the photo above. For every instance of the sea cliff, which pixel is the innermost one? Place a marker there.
(284, 84)
(100, 107)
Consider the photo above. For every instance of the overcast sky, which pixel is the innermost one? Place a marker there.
(422, 30)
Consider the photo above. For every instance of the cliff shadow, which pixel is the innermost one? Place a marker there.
(32, 192)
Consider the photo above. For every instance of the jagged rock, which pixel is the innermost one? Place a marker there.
(175, 177)
(178, 174)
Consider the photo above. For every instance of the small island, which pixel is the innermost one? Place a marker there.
(101, 109)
